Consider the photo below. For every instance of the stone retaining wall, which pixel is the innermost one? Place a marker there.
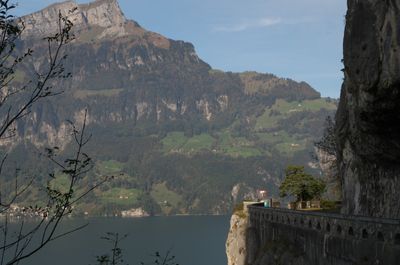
(325, 238)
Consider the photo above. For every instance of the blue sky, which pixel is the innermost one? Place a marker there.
(298, 39)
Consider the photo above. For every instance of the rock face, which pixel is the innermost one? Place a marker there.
(99, 20)
(368, 118)
(135, 212)
(236, 241)
(104, 14)
(328, 165)
(241, 244)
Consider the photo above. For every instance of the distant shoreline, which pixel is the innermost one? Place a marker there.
(15, 219)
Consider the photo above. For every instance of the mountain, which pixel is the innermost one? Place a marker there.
(187, 138)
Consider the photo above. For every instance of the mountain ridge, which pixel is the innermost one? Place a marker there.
(168, 121)
(107, 16)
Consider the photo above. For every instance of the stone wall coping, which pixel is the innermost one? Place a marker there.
(357, 218)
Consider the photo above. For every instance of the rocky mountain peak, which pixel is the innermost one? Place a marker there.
(102, 13)
(104, 17)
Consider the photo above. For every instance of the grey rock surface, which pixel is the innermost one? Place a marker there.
(106, 15)
(236, 242)
(368, 118)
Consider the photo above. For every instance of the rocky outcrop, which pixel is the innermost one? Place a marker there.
(241, 244)
(104, 14)
(92, 22)
(236, 241)
(241, 191)
(368, 118)
(134, 213)
(328, 165)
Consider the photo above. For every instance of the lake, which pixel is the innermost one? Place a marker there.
(194, 240)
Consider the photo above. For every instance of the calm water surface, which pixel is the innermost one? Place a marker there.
(194, 240)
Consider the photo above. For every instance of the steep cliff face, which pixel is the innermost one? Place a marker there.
(236, 241)
(105, 15)
(368, 118)
(241, 244)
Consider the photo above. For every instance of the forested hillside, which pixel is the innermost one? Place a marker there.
(180, 137)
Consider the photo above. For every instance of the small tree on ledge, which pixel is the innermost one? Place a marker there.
(301, 185)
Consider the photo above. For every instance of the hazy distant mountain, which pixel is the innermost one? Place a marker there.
(189, 139)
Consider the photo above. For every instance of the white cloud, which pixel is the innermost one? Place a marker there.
(249, 24)
(266, 22)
